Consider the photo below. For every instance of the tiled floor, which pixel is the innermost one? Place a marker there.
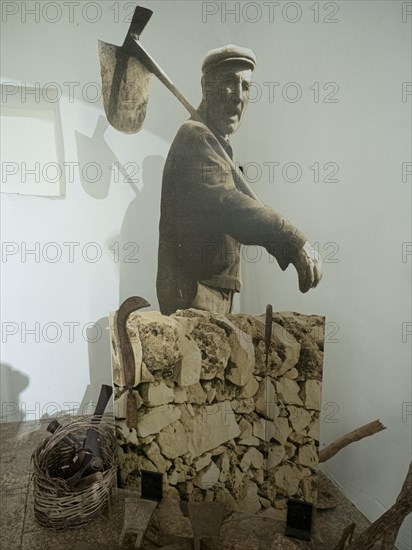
(20, 530)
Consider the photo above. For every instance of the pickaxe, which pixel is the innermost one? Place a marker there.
(126, 72)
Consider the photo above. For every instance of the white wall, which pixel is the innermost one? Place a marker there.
(365, 294)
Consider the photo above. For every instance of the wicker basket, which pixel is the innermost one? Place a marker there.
(56, 504)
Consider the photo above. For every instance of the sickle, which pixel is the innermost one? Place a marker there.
(126, 351)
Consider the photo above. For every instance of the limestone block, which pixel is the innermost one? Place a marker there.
(126, 435)
(207, 477)
(154, 394)
(223, 463)
(176, 476)
(246, 429)
(314, 430)
(265, 400)
(159, 339)
(264, 429)
(293, 373)
(153, 453)
(299, 418)
(304, 327)
(290, 347)
(212, 340)
(180, 395)
(216, 426)
(309, 489)
(313, 397)
(242, 357)
(287, 479)
(173, 440)
(201, 462)
(243, 406)
(249, 389)
(286, 346)
(120, 404)
(187, 369)
(196, 394)
(156, 419)
(308, 456)
(276, 454)
(252, 458)
(282, 430)
(147, 376)
(290, 450)
(146, 464)
(289, 390)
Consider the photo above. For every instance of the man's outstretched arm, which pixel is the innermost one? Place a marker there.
(234, 213)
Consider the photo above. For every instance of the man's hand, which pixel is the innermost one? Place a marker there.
(308, 264)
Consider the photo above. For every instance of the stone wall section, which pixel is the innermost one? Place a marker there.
(214, 418)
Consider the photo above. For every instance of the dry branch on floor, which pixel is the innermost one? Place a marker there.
(385, 528)
(355, 435)
(389, 540)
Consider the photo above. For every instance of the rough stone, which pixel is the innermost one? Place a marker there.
(281, 429)
(266, 400)
(293, 373)
(314, 430)
(286, 345)
(289, 391)
(207, 477)
(157, 419)
(154, 395)
(153, 453)
(252, 458)
(180, 395)
(276, 454)
(187, 369)
(249, 389)
(120, 404)
(159, 339)
(217, 425)
(308, 456)
(299, 418)
(242, 356)
(229, 417)
(201, 462)
(173, 440)
(243, 406)
(287, 479)
(264, 429)
(212, 340)
(196, 394)
(313, 397)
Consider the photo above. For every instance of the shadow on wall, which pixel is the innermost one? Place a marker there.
(96, 160)
(13, 382)
(139, 237)
(100, 368)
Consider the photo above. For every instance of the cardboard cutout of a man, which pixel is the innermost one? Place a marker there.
(204, 216)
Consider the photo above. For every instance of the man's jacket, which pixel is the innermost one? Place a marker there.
(205, 218)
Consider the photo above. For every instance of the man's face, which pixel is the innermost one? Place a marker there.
(226, 91)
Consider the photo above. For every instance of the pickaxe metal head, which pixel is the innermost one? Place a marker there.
(139, 21)
(125, 80)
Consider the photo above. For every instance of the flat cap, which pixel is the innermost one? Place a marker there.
(228, 53)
